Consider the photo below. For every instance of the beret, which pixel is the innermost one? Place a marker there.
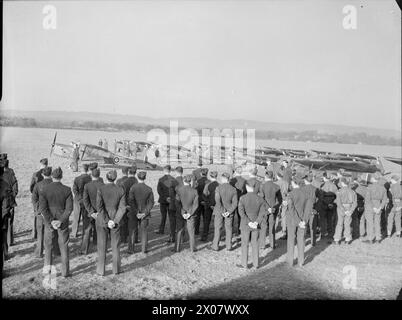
(124, 170)
(95, 172)
(179, 169)
(111, 175)
(142, 175)
(57, 173)
(44, 161)
(93, 165)
(213, 174)
(187, 178)
(47, 171)
(226, 175)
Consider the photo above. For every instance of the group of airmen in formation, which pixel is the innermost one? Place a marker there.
(313, 205)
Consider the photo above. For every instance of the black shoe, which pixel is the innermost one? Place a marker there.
(241, 266)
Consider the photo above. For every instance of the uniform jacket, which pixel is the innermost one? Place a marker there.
(201, 182)
(287, 174)
(165, 184)
(141, 199)
(376, 196)
(37, 190)
(226, 199)
(177, 183)
(111, 204)
(396, 193)
(56, 203)
(361, 192)
(78, 186)
(271, 193)
(90, 194)
(5, 198)
(346, 199)
(127, 184)
(251, 209)
(257, 184)
(120, 181)
(10, 178)
(329, 191)
(284, 187)
(312, 194)
(36, 177)
(298, 207)
(240, 184)
(187, 198)
(209, 193)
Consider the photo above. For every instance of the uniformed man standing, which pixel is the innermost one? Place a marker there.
(346, 203)
(78, 190)
(285, 189)
(226, 202)
(396, 211)
(141, 201)
(286, 171)
(271, 194)
(240, 184)
(88, 222)
(209, 203)
(311, 193)
(252, 210)
(376, 199)
(358, 217)
(164, 188)
(37, 177)
(253, 177)
(200, 185)
(5, 199)
(327, 207)
(75, 157)
(56, 205)
(187, 200)
(111, 205)
(197, 171)
(40, 225)
(126, 184)
(124, 177)
(10, 178)
(296, 220)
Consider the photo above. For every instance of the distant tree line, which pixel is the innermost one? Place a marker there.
(309, 135)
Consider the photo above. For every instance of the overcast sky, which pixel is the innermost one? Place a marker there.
(278, 61)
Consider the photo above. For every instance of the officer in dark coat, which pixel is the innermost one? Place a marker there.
(37, 177)
(177, 183)
(240, 184)
(208, 195)
(126, 184)
(40, 226)
(88, 221)
(187, 200)
(56, 205)
(327, 207)
(124, 177)
(312, 194)
(141, 201)
(296, 220)
(5, 199)
(252, 210)
(11, 179)
(271, 193)
(164, 188)
(200, 185)
(78, 191)
(225, 205)
(111, 205)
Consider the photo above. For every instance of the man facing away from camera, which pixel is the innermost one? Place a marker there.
(56, 205)
(141, 200)
(111, 205)
(394, 216)
(37, 177)
(208, 195)
(11, 179)
(78, 191)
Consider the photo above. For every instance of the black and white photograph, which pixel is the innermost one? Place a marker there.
(222, 151)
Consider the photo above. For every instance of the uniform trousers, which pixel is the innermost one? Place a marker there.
(134, 226)
(219, 221)
(295, 233)
(102, 236)
(50, 247)
(248, 235)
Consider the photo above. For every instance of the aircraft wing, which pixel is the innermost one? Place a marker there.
(62, 150)
(334, 165)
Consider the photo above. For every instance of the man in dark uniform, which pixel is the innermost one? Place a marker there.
(179, 175)
(270, 192)
(209, 202)
(124, 177)
(126, 185)
(10, 178)
(200, 185)
(240, 184)
(296, 220)
(394, 216)
(5, 199)
(358, 220)
(252, 210)
(327, 207)
(78, 190)
(141, 201)
(285, 189)
(346, 203)
(164, 188)
(375, 201)
(311, 193)
(40, 225)
(36, 177)
(197, 172)
(56, 205)
(187, 200)
(286, 171)
(88, 222)
(111, 205)
(225, 205)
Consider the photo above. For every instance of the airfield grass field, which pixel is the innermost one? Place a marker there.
(162, 274)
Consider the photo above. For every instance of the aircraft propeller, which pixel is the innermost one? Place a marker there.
(53, 144)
